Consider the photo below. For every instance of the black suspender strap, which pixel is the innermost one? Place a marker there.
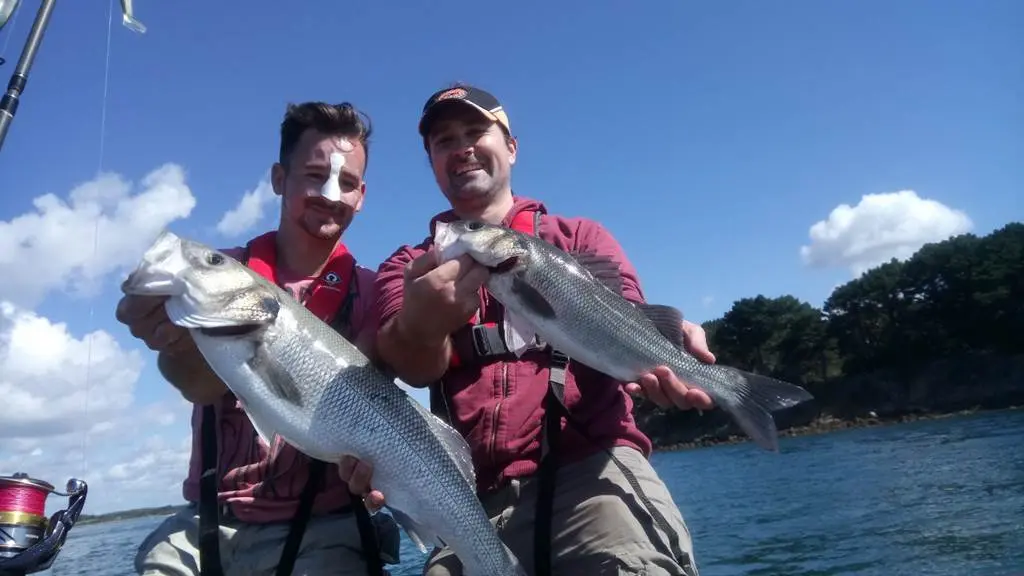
(301, 518)
(209, 508)
(551, 428)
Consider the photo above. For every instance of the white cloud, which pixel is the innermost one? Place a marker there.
(69, 400)
(52, 248)
(51, 381)
(249, 210)
(68, 415)
(707, 301)
(880, 227)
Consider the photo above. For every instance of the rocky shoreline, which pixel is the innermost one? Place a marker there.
(827, 423)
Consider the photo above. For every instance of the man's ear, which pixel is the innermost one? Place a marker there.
(362, 196)
(277, 178)
(513, 148)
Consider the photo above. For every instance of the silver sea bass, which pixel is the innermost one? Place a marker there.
(299, 380)
(574, 303)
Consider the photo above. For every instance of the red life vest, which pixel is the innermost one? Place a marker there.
(327, 293)
(485, 338)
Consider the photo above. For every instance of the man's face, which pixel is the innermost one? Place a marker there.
(308, 170)
(470, 155)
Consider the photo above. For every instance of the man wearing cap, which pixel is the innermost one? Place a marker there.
(601, 509)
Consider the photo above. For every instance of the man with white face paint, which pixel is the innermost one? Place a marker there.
(250, 514)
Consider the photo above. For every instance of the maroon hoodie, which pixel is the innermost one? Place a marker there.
(498, 406)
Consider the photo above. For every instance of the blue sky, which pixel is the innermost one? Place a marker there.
(709, 137)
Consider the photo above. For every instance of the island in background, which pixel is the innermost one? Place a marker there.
(935, 335)
(932, 336)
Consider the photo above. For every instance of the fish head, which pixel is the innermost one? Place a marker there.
(495, 247)
(206, 288)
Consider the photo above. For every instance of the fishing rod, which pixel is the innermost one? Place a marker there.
(29, 540)
(16, 85)
(10, 100)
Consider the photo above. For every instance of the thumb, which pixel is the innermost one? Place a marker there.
(422, 264)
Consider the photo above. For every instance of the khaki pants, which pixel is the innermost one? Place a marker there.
(330, 547)
(599, 526)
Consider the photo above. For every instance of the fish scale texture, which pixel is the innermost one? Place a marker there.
(298, 378)
(586, 313)
(349, 407)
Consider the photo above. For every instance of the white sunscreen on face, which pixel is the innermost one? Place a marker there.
(331, 190)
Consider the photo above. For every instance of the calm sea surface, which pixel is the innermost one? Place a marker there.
(940, 497)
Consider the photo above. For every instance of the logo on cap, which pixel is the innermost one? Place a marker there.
(459, 93)
(332, 278)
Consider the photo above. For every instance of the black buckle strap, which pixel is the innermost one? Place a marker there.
(210, 513)
(551, 429)
(297, 529)
(209, 508)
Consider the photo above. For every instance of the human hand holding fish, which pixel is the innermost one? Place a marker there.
(147, 320)
(439, 298)
(359, 475)
(662, 387)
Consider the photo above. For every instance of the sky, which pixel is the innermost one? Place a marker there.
(733, 148)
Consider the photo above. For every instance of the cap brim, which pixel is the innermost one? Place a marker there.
(431, 114)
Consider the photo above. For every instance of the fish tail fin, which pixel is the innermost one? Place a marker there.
(754, 397)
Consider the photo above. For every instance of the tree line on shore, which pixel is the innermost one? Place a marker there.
(959, 300)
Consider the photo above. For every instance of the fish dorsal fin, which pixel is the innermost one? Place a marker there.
(668, 320)
(602, 268)
(453, 442)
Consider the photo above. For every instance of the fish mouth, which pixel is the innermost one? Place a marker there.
(504, 266)
(231, 330)
(446, 241)
(158, 272)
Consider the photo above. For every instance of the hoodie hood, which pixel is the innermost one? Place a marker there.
(519, 204)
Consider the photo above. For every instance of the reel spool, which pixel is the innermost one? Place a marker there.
(29, 541)
(23, 520)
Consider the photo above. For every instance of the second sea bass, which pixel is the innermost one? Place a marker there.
(574, 303)
(299, 380)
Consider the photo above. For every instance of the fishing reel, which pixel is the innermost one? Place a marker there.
(29, 541)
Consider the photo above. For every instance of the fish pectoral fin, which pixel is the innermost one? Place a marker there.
(668, 320)
(419, 534)
(603, 268)
(532, 299)
(275, 375)
(519, 335)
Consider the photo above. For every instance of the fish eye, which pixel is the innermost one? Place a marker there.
(214, 259)
(474, 226)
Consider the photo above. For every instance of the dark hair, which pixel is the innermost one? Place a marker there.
(335, 119)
